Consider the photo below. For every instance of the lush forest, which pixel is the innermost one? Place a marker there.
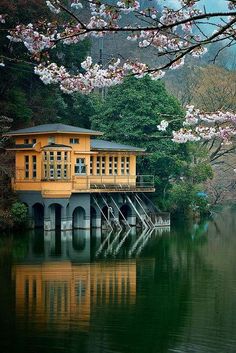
(127, 113)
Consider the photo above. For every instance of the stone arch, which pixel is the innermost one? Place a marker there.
(38, 214)
(126, 211)
(78, 217)
(55, 211)
(104, 215)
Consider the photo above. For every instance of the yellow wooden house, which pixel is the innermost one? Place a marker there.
(68, 176)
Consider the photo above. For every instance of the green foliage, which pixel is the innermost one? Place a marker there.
(19, 213)
(184, 198)
(200, 172)
(130, 114)
(23, 97)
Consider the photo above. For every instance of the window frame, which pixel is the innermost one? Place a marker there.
(80, 167)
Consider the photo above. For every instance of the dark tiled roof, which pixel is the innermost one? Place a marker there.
(52, 145)
(53, 128)
(113, 146)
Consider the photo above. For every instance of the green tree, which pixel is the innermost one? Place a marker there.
(130, 114)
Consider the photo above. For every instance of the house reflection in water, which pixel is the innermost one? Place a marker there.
(55, 290)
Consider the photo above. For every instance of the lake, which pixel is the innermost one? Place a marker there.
(168, 290)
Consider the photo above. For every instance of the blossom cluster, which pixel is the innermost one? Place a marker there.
(127, 6)
(204, 126)
(166, 29)
(94, 76)
(34, 41)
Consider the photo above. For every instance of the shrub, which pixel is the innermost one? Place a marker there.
(19, 213)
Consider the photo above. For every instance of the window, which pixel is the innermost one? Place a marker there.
(59, 171)
(51, 171)
(127, 165)
(51, 139)
(65, 156)
(26, 141)
(26, 166)
(51, 156)
(58, 156)
(65, 172)
(122, 165)
(110, 165)
(74, 140)
(34, 166)
(80, 167)
(91, 165)
(98, 165)
(115, 165)
(103, 165)
(45, 156)
(34, 141)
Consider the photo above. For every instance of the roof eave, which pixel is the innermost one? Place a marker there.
(116, 150)
(95, 133)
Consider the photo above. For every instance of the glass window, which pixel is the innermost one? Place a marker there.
(103, 165)
(74, 140)
(51, 171)
(91, 165)
(115, 165)
(45, 156)
(34, 166)
(59, 156)
(127, 165)
(110, 165)
(51, 139)
(34, 141)
(59, 171)
(122, 165)
(65, 171)
(51, 156)
(80, 167)
(98, 165)
(26, 166)
(26, 141)
(65, 156)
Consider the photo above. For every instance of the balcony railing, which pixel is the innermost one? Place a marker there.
(122, 182)
(97, 182)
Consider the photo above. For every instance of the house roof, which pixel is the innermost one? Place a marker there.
(53, 128)
(113, 146)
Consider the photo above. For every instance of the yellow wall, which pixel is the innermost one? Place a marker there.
(75, 183)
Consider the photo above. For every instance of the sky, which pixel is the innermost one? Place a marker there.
(211, 5)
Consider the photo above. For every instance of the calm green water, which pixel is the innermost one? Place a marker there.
(129, 293)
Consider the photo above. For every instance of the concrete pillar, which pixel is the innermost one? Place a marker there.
(66, 221)
(96, 222)
(132, 220)
(49, 218)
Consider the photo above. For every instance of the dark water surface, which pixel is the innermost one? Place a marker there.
(128, 293)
